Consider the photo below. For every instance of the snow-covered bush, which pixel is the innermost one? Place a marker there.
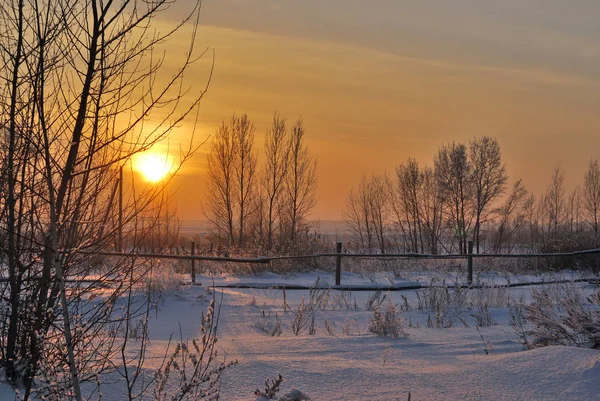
(343, 300)
(483, 317)
(193, 370)
(519, 323)
(269, 325)
(272, 388)
(318, 298)
(160, 278)
(329, 328)
(440, 297)
(563, 321)
(387, 323)
(445, 318)
(492, 296)
(375, 300)
(302, 319)
(294, 395)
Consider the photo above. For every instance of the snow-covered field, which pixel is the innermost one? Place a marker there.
(446, 354)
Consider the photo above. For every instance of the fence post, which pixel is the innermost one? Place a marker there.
(193, 262)
(338, 263)
(470, 264)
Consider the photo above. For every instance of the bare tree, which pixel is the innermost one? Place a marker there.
(453, 174)
(532, 213)
(406, 202)
(77, 82)
(357, 215)
(367, 212)
(244, 170)
(277, 152)
(432, 210)
(379, 208)
(573, 210)
(512, 216)
(222, 183)
(231, 179)
(554, 202)
(591, 196)
(301, 184)
(488, 178)
(257, 223)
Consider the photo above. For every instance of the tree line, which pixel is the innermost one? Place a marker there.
(465, 197)
(266, 207)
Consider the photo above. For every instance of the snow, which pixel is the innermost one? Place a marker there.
(430, 363)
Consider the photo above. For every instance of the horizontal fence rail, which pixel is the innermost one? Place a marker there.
(267, 259)
(401, 287)
(339, 255)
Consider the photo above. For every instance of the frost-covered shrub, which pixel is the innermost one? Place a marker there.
(159, 277)
(302, 318)
(447, 303)
(387, 322)
(269, 325)
(483, 317)
(294, 395)
(492, 296)
(519, 324)
(343, 300)
(563, 321)
(272, 388)
(436, 297)
(445, 318)
(193, 370)
(375, 300)
(318, 298)
(329, 328)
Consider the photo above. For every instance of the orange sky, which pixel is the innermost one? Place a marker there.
(378, 82)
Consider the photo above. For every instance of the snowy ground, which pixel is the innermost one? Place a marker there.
(463, 362)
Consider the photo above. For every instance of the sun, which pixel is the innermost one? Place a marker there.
(153, 166)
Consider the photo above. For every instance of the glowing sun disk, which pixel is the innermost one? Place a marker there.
(153, 166)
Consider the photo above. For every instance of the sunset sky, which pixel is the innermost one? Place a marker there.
(380, 81)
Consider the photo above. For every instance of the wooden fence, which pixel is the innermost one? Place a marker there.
(339, 255)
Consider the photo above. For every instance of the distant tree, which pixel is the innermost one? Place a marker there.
(591, 196)
(301, 183)
(367, 212)
(257, 223)
(432, 210)
(277, 154)
(357, 214)
(554, 202)
(231, 179)
(511, 216)
(488, 179)
(453, 175)
(244, 170)
(573, 210)
(221, 182)
(406, 197)
(533, 211)
(379, 208)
